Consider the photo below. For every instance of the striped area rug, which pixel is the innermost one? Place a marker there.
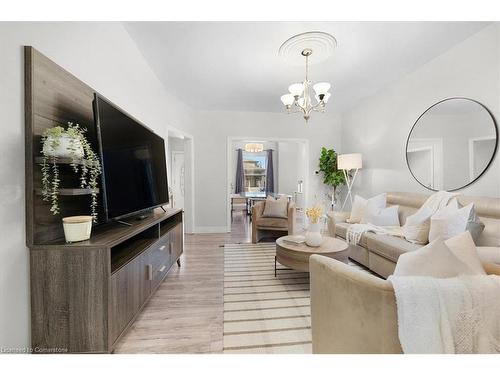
(263, 313)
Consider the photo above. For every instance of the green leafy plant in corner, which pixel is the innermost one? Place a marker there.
(88, 165)
(332, 176)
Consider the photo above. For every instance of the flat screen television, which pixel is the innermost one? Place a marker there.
(134, 177)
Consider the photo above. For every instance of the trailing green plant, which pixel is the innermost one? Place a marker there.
(87, 165)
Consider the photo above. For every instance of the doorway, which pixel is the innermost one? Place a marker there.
(289, 167)
(180, 172)
(178, 179)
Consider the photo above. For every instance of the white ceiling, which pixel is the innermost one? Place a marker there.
(235, 66)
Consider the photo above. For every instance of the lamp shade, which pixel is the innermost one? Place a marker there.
(287, 99)
(321, 87)
(349, 161)
(296, 89)
(325, 98)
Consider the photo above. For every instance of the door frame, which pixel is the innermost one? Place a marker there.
(435, 145)
(189, 168)
(171, 172)
(472, 142)
(229, 161)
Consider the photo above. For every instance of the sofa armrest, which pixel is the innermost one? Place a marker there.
(291, 218)
(351, 311)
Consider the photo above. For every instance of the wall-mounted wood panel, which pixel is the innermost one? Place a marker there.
(52, 96)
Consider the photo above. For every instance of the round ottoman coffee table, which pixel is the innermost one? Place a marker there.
(296, 256)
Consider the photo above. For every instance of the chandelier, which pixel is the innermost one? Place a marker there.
(254, 147)
(299, 99)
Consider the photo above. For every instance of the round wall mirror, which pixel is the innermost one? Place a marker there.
(451, 144)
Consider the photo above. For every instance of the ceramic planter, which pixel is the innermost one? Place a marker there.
(77, 228)
(62, 149)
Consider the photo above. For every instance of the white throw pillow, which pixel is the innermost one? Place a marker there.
(276, 207)
(434, 260)
(474, 225)
(489, 254)
(449, 221)
(416, 228)
(464, 249)
(361, 204)
(386, 217)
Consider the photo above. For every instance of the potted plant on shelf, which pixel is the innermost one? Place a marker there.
(70, 143)
(332, 176)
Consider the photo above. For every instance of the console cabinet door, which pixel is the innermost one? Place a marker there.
(129, 288)
(177, 239)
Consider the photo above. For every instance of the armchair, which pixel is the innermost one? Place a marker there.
(271, 226)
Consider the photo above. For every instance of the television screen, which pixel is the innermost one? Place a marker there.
(133, 159)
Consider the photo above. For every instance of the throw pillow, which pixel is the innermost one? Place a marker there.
(464, 249)
(384, 217)
(449, 221)
(360, 205)
(474, 225)
(416, 228)
(276, 207)
(489, 254)
(434, 260)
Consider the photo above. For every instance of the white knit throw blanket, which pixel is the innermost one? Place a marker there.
(355, 231)
(444, 316)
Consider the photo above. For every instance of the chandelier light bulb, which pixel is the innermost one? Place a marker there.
(325, 97)
(296, 89)
(321, 88)
(287, 99)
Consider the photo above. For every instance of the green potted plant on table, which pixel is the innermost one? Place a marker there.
(68, 145)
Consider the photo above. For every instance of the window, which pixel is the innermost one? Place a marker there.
(254, 165)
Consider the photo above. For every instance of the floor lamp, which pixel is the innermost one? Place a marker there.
(348, 163)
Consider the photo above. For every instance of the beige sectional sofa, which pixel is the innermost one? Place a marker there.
(354, 311)
(380, 253)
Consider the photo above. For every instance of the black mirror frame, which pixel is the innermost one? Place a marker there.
(492, 156)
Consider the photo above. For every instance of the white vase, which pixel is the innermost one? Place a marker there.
(313, 235)
(62, 149)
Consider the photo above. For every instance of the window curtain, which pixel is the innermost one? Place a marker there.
(240, 173)
(269, 173)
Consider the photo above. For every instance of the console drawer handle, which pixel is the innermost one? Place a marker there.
(150, 272)
(171, 245)
(162, 269)
(162, 248)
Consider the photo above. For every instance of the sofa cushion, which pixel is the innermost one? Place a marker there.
(389, 247)
(272, 222)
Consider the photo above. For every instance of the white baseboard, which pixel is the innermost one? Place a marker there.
(210, 229)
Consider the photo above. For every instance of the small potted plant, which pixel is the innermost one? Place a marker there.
(68, 142)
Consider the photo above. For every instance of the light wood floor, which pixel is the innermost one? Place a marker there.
(185, 314)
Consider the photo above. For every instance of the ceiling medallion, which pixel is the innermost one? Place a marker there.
(304, 46)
